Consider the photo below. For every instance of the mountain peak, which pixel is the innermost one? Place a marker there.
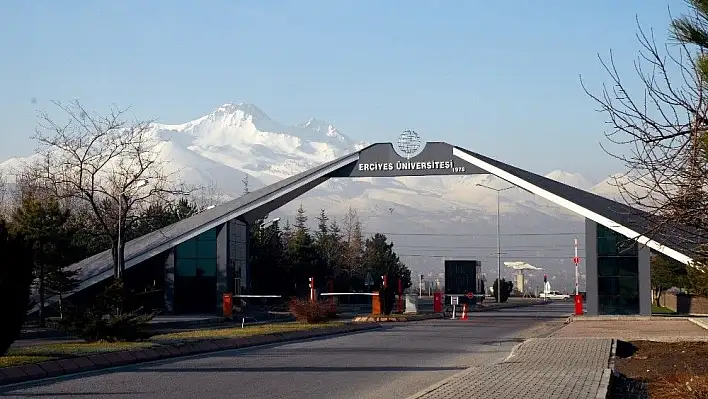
(243, 110)
(572, 179)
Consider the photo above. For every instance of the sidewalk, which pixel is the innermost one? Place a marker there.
(543, 368)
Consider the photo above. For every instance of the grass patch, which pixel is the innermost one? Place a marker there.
(75, 348)
(18, 360)
(238, 332)
(656, 309)
(39, 353)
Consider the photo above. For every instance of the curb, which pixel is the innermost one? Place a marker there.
(394, 319)
(607, 381)
(187, 323)
(698, 322)
(55, 368)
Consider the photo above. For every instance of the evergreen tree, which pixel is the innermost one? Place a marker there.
(47, 229)
(694, 30)
(380, 259)
(666, 273)
(301, 221)
(287, 234)
(325, 244)
(15, 283)
(269, 273)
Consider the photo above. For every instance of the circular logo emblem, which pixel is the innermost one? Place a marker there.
(408, 143)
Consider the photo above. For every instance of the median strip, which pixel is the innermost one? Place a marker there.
(34, 362)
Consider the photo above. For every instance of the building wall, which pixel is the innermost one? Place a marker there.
(618, 273)
(238, 254)
(684, 304)
(591, 267)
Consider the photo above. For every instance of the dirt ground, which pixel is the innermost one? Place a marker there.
(662, 370)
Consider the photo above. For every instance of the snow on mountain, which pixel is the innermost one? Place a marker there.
(572, 179)
(238, 140)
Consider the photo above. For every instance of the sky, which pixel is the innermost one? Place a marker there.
(499, 78)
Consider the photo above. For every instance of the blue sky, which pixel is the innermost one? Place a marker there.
(500, 78)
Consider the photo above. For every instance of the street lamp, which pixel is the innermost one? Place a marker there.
(121, 255)
(498, 190)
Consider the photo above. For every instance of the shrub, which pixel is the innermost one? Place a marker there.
(308, 311)
(507, 289)
(15, 283)
(107, 319)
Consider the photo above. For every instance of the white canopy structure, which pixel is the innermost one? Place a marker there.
(520, 267)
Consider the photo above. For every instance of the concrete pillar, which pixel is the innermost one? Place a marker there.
(238, 252)
(591, 283)
(169, 283)
(644, 268)
(222, 262)
(411, 305)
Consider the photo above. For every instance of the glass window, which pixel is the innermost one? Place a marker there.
(607, 265)
(186, 267)
(613, 243)
(209, 235)
(607, 285)
(206, 249)
(207, 267)
(187, 249)
(628, 266)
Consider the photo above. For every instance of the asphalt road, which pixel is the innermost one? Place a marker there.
(393, 362)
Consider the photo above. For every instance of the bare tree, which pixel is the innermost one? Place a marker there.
(204, 196)
(660, 136)
(106, 163)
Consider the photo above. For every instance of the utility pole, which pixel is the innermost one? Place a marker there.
(498, 190)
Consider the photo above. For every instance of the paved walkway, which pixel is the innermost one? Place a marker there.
(657, 329)
(541, 368)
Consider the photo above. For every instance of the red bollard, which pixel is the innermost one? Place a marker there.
(578, 305)
(437, 302)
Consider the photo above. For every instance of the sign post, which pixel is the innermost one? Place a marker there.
(454, 301)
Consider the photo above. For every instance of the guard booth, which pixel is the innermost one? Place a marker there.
(463, 277)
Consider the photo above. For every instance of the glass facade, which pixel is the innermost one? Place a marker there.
(195, 274)
(617, 273)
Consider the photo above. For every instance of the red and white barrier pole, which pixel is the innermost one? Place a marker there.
(464, 312)
(578, 298)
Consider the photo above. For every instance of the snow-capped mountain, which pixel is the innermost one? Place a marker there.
(239, 140)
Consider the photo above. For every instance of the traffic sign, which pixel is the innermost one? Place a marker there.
(454, 300)
(576, 260)
(470, 295)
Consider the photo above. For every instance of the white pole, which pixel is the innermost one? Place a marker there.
(576, 267)
(498, 251)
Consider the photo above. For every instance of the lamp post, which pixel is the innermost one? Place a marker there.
(498, 190)
(120, 254)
